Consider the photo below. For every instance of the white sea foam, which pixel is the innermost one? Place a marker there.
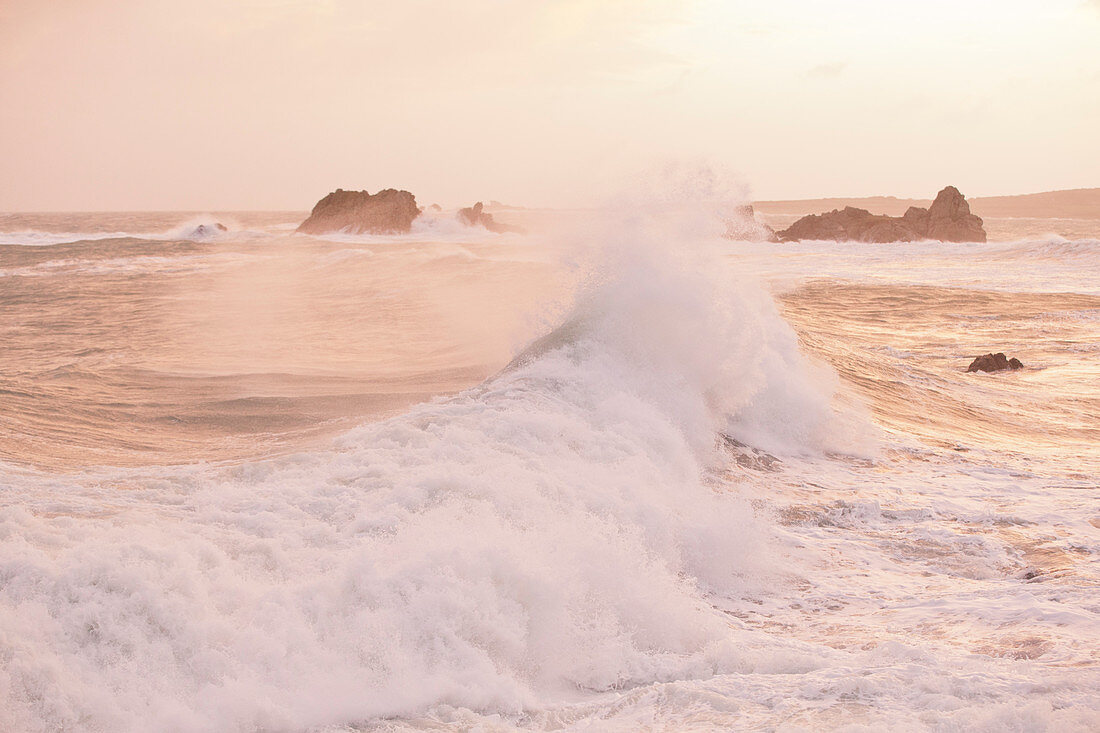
(200, 228)
(1050, 264)
(137, 265)
(549, 532)
(565, 547)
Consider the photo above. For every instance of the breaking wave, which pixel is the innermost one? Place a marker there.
(1054, 248)
(553, 532)
(45, 239)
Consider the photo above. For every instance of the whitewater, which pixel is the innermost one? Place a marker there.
(616, 474)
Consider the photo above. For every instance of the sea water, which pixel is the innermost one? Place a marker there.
(621, 475)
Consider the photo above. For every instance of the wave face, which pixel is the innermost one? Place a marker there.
(442, 557)
(552, 529)
(663, 501)
(66, 228)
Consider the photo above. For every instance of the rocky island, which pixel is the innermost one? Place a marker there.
(994, 363)
(358, 212)
(948, 219)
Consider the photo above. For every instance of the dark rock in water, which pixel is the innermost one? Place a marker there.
(358, 212)
(475, 216)
(207, 230)
(743, 227)
(747, 456)
(948, 219)
(849, 223)
(994, 363)
(204, 230)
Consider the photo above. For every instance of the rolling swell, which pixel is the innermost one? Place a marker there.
(1058, 249)
(562, 545)
(906, 347)
(442, 557)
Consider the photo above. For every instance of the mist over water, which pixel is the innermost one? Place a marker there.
(617, 474)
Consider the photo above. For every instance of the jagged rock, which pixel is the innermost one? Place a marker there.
(916, 219)
(848, 223)
(994, 363)
(948, 219)
(475, 216)
(358, 212)
(743, 227)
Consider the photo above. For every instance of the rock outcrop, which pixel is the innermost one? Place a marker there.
(994, 363)
(357, 212)
(475, 216)
(743, 227)
(849, 224)
(947, 219)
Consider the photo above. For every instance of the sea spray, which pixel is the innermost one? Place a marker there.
(546, 535)
(664, 293)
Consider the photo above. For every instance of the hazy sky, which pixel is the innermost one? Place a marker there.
(269, 104)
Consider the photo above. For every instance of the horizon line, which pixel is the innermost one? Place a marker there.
(213, 210)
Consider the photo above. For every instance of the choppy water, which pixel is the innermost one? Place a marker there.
(263, 481)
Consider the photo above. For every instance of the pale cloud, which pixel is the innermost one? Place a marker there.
(828, 71)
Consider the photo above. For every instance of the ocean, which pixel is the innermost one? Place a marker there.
(615, 474)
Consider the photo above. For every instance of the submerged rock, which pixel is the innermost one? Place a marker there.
(358, 212)
(948, 219)
(207, 230)
(475, 216)
(747, 456)
(994, 363)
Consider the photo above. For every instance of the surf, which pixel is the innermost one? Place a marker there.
(441, 557)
